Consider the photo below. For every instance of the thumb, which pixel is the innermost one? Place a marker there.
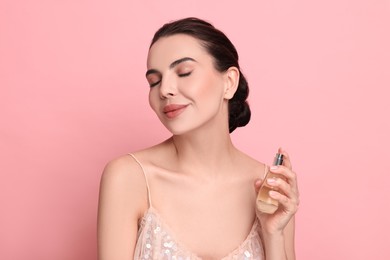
(257, 184)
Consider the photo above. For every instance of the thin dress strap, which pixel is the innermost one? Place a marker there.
(265, 170)
(146, 179)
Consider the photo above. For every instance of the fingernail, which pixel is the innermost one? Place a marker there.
(271, 180)
(275, 167)
(273, 194)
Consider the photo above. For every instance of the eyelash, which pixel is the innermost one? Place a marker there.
(154, 84)
(180, 75)
(185, 74)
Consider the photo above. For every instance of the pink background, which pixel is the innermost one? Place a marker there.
(73, 96)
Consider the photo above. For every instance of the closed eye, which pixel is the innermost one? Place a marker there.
(154, 84)
(185, 74)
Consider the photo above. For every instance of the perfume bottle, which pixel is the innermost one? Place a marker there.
(264, 202)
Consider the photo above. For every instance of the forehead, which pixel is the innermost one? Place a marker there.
(170, 48)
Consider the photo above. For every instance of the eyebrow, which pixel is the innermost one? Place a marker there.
(172, 65)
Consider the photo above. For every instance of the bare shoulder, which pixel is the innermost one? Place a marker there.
(122, 203)
(121, 167)
(123, 179)
(252, 165)
(125, 173)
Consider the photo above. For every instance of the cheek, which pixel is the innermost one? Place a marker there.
(211, 90)
(207, 88)
(153, 100)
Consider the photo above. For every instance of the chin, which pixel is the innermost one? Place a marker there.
(178, 130)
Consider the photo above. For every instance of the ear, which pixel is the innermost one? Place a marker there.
(232, 77)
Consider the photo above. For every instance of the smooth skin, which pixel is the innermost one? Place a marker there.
(203, 187)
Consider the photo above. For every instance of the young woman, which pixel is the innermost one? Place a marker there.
(193, 195)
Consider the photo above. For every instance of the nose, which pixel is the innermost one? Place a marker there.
(168, 88)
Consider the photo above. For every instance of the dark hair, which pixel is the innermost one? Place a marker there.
(225, 56)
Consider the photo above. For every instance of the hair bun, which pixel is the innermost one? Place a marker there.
(240, 115)
(239, 110)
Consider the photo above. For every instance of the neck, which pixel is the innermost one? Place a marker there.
(205, 151)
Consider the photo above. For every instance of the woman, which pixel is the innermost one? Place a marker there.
(193, 195)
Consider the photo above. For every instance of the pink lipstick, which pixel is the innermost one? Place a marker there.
(173, 110)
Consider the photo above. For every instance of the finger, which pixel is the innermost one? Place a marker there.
(285, 171)
(290, 206)
(286, 158)
(285, 188)
(257, 184)
(280, 185)
(287, 182)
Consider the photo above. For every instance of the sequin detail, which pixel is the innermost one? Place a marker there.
(156, 243)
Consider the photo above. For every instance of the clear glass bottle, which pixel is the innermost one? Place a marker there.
(264, 202)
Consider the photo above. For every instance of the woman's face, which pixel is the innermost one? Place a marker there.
(186, 91)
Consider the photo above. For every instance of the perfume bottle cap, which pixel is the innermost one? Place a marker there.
(278, 159)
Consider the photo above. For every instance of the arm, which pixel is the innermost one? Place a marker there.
(289, 241)
(122, 200)
(280, 245)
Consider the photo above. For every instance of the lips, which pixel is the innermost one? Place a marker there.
(173, 110)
